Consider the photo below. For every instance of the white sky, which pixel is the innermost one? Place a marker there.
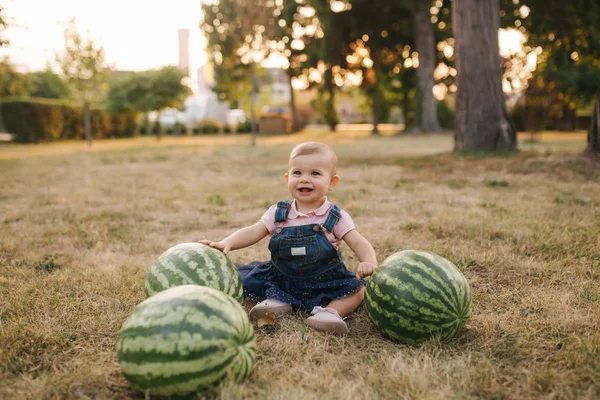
(135, 34)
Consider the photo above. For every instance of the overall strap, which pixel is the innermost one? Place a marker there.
(282, 211)
(332, 218)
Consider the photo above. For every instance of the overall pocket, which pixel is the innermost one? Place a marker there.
(302, 251)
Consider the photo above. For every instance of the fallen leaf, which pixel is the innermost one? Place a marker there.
(266, 320)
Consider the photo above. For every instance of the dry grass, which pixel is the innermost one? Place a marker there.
(79, 228)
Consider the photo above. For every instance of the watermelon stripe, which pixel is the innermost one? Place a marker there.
(215, 260)
(407, 289)
(194, 263)
(403, 314)
(429, 273)
(203, 323)
(177, 273)
(460, 292)
(422, 283)
(399, 310)
(437, 268)
(160, 281)
(403, 320)
(412, 331)
(442, 272)
(148, 355)
(144, 373)
(135, 338)
(200, 270)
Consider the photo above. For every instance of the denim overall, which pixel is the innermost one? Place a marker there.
(304, 251)
(305, 269)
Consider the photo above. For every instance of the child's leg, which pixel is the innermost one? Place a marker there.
(346, 305)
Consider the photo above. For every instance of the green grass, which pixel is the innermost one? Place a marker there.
(80, 227)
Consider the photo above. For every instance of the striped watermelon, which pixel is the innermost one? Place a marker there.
(414, 295)
(185, 339)
(194, 264)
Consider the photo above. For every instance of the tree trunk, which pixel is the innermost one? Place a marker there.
(2, 128)
(293, 114)
(375, 112)
(253, 93)
(87, 122)
(372, 90)
(481, 121)
(593, 146)
(330, 113)
(425, 46)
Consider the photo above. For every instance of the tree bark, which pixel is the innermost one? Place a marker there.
(481, 120)
(593, 140)
(425, 46)
(253, 93)
(375, 112)
(87, 122)
(330, 112)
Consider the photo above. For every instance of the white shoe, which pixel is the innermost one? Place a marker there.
(269, 305)
(327, 320)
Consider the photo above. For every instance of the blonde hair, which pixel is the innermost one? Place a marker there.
(308, 148)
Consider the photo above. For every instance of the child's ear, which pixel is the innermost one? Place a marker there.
(286, 176)
(333, 182)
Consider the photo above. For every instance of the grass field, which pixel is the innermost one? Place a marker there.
(79, 228)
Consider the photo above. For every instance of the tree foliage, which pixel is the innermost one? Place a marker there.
(83, 65)
(84, 68)
(568, 37)
(147, 91)
(12, 82)
(239, 33)
(48, 84)
(3, 26)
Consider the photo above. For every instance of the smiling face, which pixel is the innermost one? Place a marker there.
(309, 178)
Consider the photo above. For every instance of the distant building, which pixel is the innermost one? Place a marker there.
(203, 104)
(184, 51)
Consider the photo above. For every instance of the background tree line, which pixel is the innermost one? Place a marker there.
(391, 51)
(394, 52)
(109, 103)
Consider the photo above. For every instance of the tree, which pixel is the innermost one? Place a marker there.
(148, 91)
(3, 26)
(48, 84)
(84, 68)
(377, 39)
(568, 38)
(239, 32)
(425, 46)
(481, 120)
(12, 82)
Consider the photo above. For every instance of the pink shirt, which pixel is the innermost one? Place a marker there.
(318, 216)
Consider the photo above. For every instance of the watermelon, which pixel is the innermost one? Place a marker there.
(185, 339)
(415, 295)
(194, 264)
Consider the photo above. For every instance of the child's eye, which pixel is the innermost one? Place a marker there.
(296, 173)
(316, 173)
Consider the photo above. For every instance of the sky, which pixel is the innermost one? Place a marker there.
(135, 34)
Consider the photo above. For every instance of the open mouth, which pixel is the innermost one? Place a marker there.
(305, 190)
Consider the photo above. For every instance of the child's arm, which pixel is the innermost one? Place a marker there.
(239, 239)
(364, 251)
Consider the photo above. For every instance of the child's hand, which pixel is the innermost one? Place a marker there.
(222, 246)
(365, 269)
